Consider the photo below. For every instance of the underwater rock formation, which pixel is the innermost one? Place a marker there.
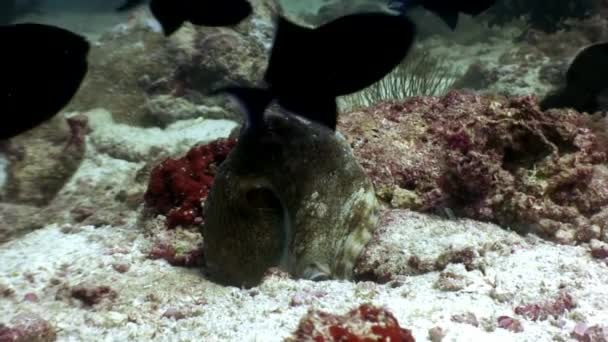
(17, 220)
(408, 243)
(291, 196)
(366, 323)
(487, 158)
(177, 188)
(165, 110)
(42, 160)
(135, 62)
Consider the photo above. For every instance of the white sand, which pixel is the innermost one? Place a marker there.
(533, 272)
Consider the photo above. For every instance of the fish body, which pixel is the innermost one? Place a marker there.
(291, 196)
(586, 86)
(42, 68)
(172, 14)
(448, 11)
(309, 68)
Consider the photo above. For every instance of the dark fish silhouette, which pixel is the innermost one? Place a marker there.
(42, 68)
(447, 10)
(309, 68)
(172, 14)
(586, 87)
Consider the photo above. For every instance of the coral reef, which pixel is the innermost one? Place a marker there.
(293, 196)
(366, 323)
(177, 188)
(487, 158)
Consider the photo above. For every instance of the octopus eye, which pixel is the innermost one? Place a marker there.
(262, 198)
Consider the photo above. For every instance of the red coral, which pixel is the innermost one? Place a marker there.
(364, 324)
(177, 186)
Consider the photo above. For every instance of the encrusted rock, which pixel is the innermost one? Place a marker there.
(167, 109)
(41, 161)
(409, 243)
(487, 158)
(366, 323)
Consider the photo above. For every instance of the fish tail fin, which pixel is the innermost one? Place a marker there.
(570, 97)
(253, 103)
(171, 17)
(289, 61)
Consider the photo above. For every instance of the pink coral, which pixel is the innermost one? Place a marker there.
(364, 324)
(177, 187)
